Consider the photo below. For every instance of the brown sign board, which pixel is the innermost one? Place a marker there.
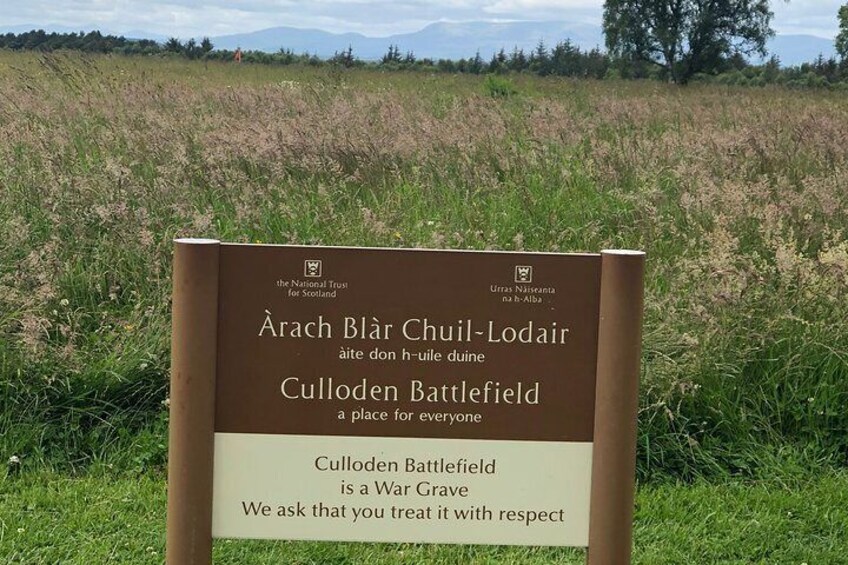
(403, 395)
(445, 332)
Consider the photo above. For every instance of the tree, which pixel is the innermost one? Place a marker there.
(566, 59)
(345, 58)
(685, 37)
(771, 70)
(475, 65)
(173, 45)
(539, 60)
(842, 38)
(498, 62)
(392, 56)
(190, 49)
(517, 60)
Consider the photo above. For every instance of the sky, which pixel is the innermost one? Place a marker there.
(187, 18)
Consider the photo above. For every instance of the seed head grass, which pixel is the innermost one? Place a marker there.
(737, 195)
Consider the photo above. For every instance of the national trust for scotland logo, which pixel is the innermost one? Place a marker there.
(312, 268)
(523, 274)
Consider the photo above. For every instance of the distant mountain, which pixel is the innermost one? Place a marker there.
(445, 40)
(438, 40)
(797, 49)
(313, 41)
(457, 40)
(450, 40)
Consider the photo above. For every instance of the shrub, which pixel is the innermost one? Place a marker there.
(498, 87)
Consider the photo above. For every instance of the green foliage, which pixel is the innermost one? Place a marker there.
(206, 45)
(344, 58)
(564, 59)
(686, 37)
(392, 55)
(498, 86)
(173, 45)
(92, 42)
(819, 74)
(842, 37)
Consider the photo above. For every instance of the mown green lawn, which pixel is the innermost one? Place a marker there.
(98, 518)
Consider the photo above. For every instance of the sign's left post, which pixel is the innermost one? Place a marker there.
(192, 402)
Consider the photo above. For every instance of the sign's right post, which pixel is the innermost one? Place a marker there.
(616, 407)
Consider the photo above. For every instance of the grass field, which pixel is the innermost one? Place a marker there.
(738, 196)
(103, 519)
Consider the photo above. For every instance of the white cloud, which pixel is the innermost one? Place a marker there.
(814, 17)
(534, 6)
(372, 17)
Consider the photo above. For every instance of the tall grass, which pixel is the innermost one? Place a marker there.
(738, 196)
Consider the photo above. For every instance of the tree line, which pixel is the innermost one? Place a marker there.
(91, 42)
(669, 40)
(564, 59)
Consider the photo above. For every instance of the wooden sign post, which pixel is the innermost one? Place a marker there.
(386, 395)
